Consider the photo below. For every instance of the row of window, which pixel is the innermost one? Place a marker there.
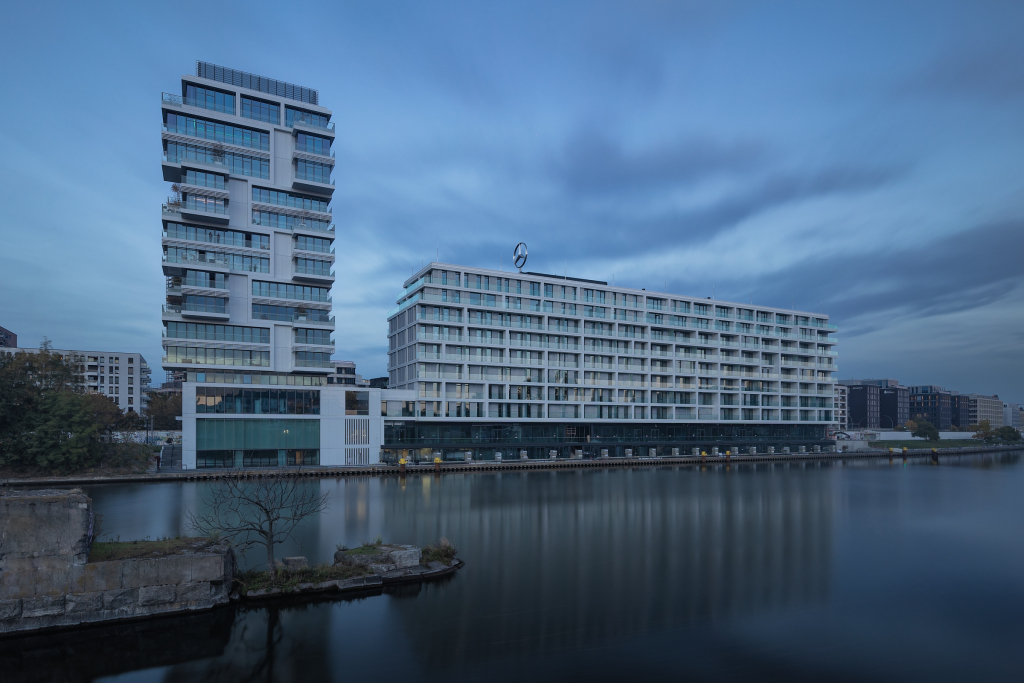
(313, 267)
(305, 243)
(204, 356)
(312, 144)
(203, 179)
(309, 336)
(232, 401)
(219, 132)
(239, 164)
(310, 170)
(258, 110)
(296, 201)
(289, 313)
(228, 237)
(288, 222)
(230, 333)
(301, 457)
(288, 291)
(250, 264)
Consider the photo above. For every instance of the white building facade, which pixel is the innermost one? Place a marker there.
(840, 406)
(489, 354)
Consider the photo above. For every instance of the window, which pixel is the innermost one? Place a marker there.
(312, 144)
(204, 203)
(289, 222)
(239, 164)
(312, 171)
(313, 267)
(287, 291)
(304, 243)
(204, 356)
(233, 261)
(259, 110)
(208, 98)
(245, 401)
(231, 237)
(357, 403)
(218, 132)
(246, 335)
(296, 201)
(289, 313)
(201, 179)
(297, 115)
(312, 359)
(308, 336)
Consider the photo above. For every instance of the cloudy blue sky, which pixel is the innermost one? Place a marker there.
(865, 158)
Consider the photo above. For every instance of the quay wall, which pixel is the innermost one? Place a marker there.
(46, 580)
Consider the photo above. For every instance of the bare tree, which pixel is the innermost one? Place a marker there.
(255, 512)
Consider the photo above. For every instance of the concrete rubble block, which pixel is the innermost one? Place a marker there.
(156, 595)
(77, 603)
(42, 606)
(122, 598)
(139, 573)
(99, 576)
(174, 569)
(194, 592)
(382, 568)
(207, 567)
(51, 526)
(407, 556)
(10, 609)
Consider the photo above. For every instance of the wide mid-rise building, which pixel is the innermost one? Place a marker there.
(122, 377)
(509, 362)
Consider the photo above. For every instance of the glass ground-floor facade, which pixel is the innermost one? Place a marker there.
(420, 441)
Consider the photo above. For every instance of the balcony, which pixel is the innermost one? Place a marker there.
(310, 182)
(320, 364)
(201, 211)
(307, 274)
(177, 101)
(198, 311)
(301, 122)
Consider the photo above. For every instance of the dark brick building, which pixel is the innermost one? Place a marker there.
(933, 404)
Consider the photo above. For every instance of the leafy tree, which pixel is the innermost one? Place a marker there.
(910, 425)
(1007, 433)
(164, 407)
(64, 435)
(983, 430)
(926, 430)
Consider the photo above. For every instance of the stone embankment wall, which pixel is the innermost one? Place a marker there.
(47, 582)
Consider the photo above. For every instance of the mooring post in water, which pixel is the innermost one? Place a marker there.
(703, 454)
(728, 455)
(401, 465)
(935, 456)
(437, 465)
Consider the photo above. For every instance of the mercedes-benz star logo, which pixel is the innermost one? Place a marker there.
(519, 255)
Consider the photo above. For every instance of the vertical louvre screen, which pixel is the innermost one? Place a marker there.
(357, 431)
(357, 456)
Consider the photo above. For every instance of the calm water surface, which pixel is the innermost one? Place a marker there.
(807, 572)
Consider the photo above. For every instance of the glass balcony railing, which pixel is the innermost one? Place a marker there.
(314, 178)
(208, 160)
(306, 270)
(313, 364)
(209, 284)
(205, 207)
(311, 121)
(215, 182)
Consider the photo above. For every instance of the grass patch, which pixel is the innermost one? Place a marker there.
(443, 551)
(941, 443)
(105, 551)
(255, 579)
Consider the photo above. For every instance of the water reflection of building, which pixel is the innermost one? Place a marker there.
(583, 557)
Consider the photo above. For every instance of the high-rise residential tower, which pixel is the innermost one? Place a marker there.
(247, 231)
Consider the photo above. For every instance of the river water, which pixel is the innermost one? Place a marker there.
(791, 572)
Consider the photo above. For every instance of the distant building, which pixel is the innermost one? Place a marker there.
(933, 403)
(839, 402)
(8, 339)
(863, 405)
(379, 383)
(893, 404)
(345, 373)
(1011, 415)
(123, 377)
(982, 407)
(960, 410)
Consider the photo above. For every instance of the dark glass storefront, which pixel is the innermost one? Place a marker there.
(423, 441)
